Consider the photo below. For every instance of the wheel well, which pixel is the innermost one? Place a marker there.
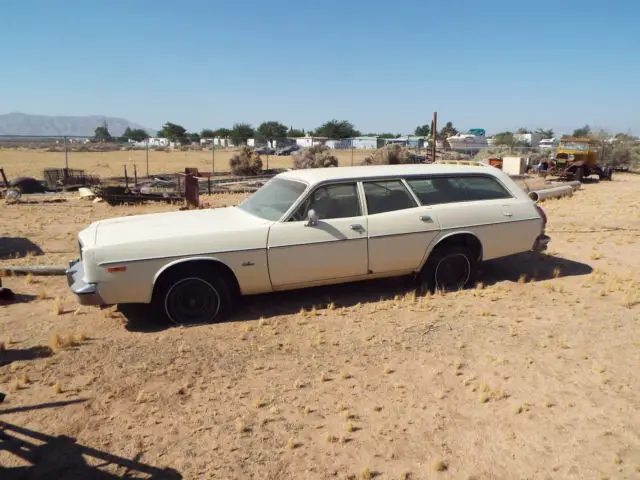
(214, 265)
(462, 239)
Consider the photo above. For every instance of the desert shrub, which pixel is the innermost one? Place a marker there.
(317, 156)
(392, 154)
(625, 154)
(246, 163)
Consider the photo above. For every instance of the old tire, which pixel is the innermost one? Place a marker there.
(579, 174)
(191, 294)
(449, 268)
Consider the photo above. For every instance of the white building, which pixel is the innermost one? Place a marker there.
(531, 139)
(306, 142)
(158, 142)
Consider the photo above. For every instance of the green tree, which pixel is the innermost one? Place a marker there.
(173, 132)
(504, 138)
(337, 130)
(207, 133)
(240, 133)
(523, 130)
(422, 130)
(448, 131)
(193, 137)
(222, 133)
(546, 133)
(272, 131)
(581, 132)
(295, 133)
(102, 132)
(135, 134)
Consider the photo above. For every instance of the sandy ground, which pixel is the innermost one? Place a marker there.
(26, 162)
(534, 374)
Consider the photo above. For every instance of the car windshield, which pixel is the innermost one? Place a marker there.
(273, 199)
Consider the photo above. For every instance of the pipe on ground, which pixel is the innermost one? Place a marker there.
(34, 270)
(554, 192)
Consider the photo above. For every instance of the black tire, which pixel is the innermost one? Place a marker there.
(191, 294)
(461, 269)
(579, 174)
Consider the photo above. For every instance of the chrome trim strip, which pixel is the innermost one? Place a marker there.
(169, 257)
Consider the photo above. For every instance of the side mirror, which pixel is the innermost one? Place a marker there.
(312, 218)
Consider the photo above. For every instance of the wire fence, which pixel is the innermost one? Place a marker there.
(32, 155)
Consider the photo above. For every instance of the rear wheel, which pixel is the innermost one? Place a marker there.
(449, 268)
(579, 174)
(191, 294)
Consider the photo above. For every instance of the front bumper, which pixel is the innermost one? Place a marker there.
(87, 293)
(540, 245)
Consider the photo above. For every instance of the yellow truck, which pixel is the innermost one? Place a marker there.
(577, 159)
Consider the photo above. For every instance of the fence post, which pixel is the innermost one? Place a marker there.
(352, 156)
(66, 154)
(147, 158)
(135, 174)
(126, 178)
(213, 159)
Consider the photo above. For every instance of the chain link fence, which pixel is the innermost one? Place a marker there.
(22, 156)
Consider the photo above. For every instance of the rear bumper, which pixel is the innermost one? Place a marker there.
(87, 293)
(540, 245)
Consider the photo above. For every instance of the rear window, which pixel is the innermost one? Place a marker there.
(435, 190)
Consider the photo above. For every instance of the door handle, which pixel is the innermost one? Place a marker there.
(507, 214)
(357, 227)
(426, 219)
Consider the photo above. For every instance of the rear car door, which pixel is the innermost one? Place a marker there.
(481, 204)
(400, 230)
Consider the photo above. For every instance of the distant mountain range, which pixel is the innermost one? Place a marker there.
(46, 125)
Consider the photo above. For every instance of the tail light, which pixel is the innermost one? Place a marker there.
(543, 215)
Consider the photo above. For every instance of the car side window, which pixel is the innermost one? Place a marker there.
(387, 196)
(330, 202)
(436, 190)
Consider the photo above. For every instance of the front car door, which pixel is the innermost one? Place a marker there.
(333, 250)
(400, 230)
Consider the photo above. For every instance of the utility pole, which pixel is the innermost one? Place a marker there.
(433, 135)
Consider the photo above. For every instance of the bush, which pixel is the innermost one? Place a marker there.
(314, 157)
(246, 163)
(392, 154)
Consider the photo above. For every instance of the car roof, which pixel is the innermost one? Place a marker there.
(318, 175)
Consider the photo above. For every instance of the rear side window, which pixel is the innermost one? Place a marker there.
(435, 190)
(387, 196)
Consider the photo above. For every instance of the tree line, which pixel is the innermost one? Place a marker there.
(239, 133)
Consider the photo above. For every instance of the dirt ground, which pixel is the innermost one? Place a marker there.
(26, 162)
(533, 374)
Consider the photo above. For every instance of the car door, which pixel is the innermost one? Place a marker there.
(331, 251)
(479, 204)
(400, 230)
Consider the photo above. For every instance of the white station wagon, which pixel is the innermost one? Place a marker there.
(310, 227)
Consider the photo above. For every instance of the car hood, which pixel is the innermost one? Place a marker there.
(172, 225)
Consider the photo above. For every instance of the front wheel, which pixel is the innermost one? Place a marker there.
(449, 268)
(191, 295)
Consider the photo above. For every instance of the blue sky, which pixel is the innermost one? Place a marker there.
(385, 66)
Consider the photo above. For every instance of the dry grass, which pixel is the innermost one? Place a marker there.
(437, 344)
(365, 474)
(439, 466)
(58, 306)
